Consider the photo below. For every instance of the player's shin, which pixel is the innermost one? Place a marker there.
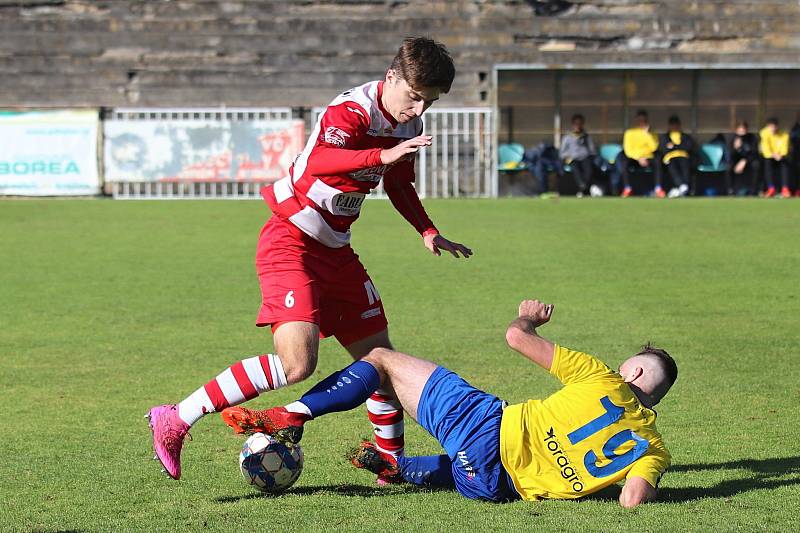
(427, 470)
(386, 415)
(341, 391)
(236, 384)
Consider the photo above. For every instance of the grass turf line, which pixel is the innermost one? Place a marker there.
(111, 307)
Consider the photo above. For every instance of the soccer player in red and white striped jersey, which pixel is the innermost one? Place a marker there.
(312, 283)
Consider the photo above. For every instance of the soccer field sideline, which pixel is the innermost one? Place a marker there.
(111, 307)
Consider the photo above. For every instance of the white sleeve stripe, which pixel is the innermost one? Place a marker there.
(283, 189)
(322, 194)
(312, 224)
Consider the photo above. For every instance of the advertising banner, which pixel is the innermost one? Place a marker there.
(200, 149)
(49, 153)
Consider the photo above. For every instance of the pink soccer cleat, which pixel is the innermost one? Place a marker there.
(168, 434)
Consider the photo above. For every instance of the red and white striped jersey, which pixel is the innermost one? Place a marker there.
(341, 164)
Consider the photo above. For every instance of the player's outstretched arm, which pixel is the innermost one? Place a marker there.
(521, 334)
(635, 492)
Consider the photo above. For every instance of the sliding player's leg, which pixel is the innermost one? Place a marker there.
(296, 342)
(465, 421)
(421, 470)
(360, 325)
(383, 409)
(404, 377)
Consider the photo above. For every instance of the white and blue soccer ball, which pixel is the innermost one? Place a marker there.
(269, 465)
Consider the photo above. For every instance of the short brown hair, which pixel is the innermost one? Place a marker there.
(423, 62)
(669, 364)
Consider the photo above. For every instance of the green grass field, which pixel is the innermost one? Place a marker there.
(107, 308)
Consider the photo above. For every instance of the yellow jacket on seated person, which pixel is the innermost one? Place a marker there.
(638, 143)
(774, 143)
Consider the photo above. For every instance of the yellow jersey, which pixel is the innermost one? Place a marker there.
(638, 143)
(774, 143)
(592, 433)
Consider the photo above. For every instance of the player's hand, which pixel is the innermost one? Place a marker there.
(536, 311)
(390, 156)
(435, 243)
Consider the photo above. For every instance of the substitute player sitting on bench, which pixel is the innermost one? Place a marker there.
(596, 431)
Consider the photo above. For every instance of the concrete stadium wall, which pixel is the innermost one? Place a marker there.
(301, 53)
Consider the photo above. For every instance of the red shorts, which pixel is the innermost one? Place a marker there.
(304, 280)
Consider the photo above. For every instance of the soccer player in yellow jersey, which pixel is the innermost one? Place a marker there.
(639, 147)
(774, 148)
(597, 430)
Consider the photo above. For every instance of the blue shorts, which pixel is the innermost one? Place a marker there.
(466, 421)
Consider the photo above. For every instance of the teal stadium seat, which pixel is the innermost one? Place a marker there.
(711, 158)
(509, 157)
(609, 152)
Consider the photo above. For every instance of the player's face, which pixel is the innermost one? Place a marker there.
(405, 103)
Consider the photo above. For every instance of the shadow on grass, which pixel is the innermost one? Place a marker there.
(778, 465)
(360, 491)
(763, 475)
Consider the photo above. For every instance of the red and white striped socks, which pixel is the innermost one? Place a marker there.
(241, 382)
(386, 415)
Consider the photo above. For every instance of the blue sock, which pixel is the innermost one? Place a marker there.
(342, 390)
(429, 470)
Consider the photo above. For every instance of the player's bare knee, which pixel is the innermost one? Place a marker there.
(300, 371)
(299, 367)
(379, 355)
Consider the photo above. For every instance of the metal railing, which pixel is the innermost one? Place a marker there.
(199, 113)
(185, 190)
(190, 189)
(460, 163)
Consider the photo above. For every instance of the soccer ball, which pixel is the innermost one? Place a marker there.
(269, 465)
